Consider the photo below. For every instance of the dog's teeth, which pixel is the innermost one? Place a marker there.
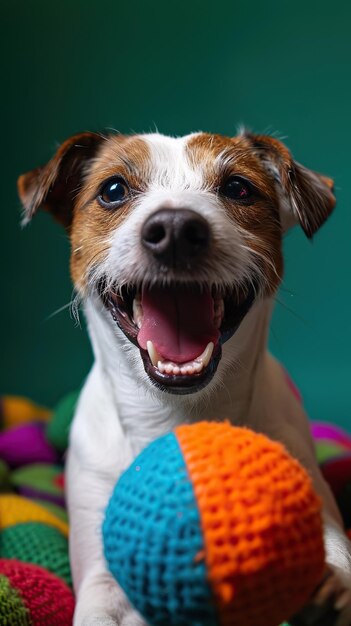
(185, 369)
(137, 311)
(153, 354)
(205, 357)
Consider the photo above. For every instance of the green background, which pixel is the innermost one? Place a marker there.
(280, 67)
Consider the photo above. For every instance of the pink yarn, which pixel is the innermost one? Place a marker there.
(331, 433)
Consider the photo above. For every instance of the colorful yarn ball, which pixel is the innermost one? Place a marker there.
(37, 543)
(59, 426)
(331, 441)
(26, 444)
(56, 510)
(46, 600)
(215, 525)
(40, 480)
(17, 510)
(15, 410)
(333, 447)
(12, 610)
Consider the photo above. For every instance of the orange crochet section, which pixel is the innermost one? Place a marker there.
(261, 522)
(17, 510)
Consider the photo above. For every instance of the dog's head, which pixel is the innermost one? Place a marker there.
(177, 238)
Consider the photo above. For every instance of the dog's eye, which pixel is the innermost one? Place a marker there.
(113, 192)
(238, 188)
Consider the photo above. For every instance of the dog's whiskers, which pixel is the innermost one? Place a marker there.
(294, 313)
(59, 310)
(75, 304)
(72, 305)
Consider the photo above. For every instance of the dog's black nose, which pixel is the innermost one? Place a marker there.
(176, 236)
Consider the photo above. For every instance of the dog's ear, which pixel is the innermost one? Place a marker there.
(54, 185)
(308, 197)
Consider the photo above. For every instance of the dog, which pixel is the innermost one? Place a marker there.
(176, 254)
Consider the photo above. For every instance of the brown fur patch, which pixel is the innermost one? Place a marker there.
(69, 184)
(221, 157)
(93, 224)
(54, 186)
(310, 193)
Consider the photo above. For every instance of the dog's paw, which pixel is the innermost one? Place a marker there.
(130, 618)
(99, 619)
(330, 604)
(335, 592)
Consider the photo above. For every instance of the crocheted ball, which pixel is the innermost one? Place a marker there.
(18, 510)
(37, 543)
(40, 480)
(58, 428)
(213, 525)
(47, 599)
(331, 441)
(26, 444)
(11, 606)
(15, 410)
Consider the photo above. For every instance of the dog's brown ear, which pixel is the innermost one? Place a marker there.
(310, 195)
(54, 186)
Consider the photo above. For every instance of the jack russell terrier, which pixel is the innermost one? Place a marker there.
(177, 256)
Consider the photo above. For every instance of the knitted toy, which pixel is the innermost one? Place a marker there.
(35, 578)
(30, 595)
(212, 525)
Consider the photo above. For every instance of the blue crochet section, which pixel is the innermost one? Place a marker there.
(152, 539)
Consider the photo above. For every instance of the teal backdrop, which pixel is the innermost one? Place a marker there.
(278, 67)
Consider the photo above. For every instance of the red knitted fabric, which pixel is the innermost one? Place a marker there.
(48, 599)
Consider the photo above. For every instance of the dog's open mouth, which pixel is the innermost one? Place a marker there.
(179, 329)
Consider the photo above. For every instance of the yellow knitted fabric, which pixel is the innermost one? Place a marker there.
(16, 510)
(16, 410)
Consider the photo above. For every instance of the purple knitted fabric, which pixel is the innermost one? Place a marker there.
(26, 444)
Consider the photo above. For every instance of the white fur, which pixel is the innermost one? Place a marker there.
(175, 184)
(170, 168)
(119, 411)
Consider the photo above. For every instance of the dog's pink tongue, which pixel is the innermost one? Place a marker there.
(178, 322)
